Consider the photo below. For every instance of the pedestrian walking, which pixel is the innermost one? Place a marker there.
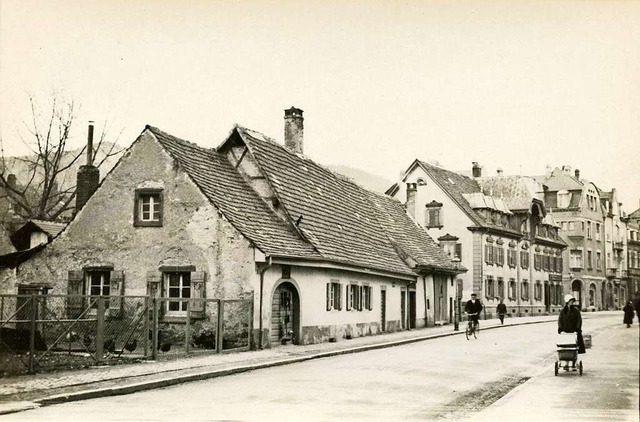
(628, 314)
(501, 310)
(570, 321)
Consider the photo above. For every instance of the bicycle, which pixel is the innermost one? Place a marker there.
(473, 327)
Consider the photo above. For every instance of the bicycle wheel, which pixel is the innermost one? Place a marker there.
(467, 332)
(476, 332)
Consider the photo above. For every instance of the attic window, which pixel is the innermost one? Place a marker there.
(147, 211)
(433, 215)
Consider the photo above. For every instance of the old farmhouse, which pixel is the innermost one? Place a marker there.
(249, 219)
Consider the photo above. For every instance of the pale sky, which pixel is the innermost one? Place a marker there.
(512, 84)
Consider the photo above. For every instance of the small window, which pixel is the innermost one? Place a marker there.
(576, 258)
(99, 284)
(538, 291)
(148, 208)
(524, 259)
(433, 214)
(525, 290)
(500, 287)
(177, 285)
(490, 287)
(334, 296)
(512, 289)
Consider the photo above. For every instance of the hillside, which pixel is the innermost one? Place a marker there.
(367, 180)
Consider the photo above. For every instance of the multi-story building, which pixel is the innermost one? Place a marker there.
(633, 254)
(615, 293)
(499, 229)
(593, 225)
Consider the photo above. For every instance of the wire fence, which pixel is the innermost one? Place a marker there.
(43, 333)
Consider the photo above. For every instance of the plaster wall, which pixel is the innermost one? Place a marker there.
(193, 232)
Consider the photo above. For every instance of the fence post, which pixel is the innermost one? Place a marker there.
(251, 308)
(100, 330)
(154, 332)
(187, 328)
(32, 336)
(146, 327)
(219, 328)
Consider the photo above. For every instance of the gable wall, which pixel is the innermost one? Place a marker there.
(193, 232)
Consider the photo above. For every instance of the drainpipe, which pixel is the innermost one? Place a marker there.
(424, 289)
(264, 270)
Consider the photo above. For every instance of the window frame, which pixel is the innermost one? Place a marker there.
(166, 288)
(105, 274)
(140, 195)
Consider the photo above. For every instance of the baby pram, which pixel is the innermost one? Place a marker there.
(567, 344)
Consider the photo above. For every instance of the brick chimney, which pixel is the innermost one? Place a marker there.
(576, 172)
(412, 189)
(88, 175)
(293, 129)
(476, 169)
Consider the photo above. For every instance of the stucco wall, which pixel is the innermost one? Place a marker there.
(192, 233)
(318, 324)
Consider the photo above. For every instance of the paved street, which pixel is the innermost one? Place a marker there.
(503, 371)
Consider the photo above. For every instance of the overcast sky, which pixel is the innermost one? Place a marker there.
(516, 85)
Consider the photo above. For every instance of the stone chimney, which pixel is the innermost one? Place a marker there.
(293, 129)
(476, 170)
(412, 189)
(576, 172)
(88, 175)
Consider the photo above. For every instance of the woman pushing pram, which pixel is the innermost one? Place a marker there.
(570, 321)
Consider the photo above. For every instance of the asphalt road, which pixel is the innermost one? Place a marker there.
(506, 373)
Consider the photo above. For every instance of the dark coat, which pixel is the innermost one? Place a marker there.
(628, 313)
(473, 308)
(570, 321)
(502, 308)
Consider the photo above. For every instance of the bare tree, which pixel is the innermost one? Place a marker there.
(42, 185)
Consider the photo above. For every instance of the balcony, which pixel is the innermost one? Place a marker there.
(612, 272)
(618, 246)
(575, 233)
(624, 273)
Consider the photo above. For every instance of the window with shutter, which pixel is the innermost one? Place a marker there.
(75, 302)
(116, 292)
(153, 283)
(329, 296)
(348, 296)
(197, 305)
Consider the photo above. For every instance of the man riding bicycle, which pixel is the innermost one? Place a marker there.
(473, 308)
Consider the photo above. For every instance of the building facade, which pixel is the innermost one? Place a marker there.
(319, 255)
(497, 227)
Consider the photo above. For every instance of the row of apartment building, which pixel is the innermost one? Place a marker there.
(559, 232)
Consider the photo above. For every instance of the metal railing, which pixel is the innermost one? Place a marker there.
(40, 333)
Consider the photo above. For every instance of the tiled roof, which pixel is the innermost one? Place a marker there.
(341, 221)
(560, 180)
(345, 222)
(517, 192)
(228, 191)
(459, 188)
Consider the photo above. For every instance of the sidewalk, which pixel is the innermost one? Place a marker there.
(30, 391)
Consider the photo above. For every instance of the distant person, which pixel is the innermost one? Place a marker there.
(570, 321)
(501, 310)
(636, 304)
(473, 308)
(628, 314)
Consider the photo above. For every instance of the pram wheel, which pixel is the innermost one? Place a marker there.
(556, 368)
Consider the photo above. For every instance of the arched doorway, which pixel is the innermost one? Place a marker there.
(592, 295)
(576, 291)
(285, 314)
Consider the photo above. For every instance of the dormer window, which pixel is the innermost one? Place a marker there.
(433, 215)
(148, 208)
(563, 199)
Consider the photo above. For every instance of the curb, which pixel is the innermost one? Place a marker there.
(209, 374)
